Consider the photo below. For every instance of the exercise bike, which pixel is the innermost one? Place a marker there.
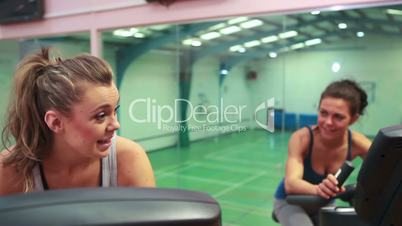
(376, 199)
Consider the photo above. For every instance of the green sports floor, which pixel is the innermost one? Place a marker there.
(240, 170)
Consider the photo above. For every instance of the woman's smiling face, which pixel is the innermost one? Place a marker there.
(334, 117)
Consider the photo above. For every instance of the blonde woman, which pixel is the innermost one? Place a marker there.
(63, 120)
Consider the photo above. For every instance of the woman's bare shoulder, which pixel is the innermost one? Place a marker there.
(134, 168)
(360, 143)
(298, 142)
(126, 146)
(301, 135)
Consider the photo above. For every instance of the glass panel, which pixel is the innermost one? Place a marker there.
(207, 95)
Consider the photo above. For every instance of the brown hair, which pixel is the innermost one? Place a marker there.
(350, 91)
(42, 83)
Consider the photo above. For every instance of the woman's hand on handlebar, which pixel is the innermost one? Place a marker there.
(328, 187)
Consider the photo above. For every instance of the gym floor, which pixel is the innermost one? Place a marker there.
(240, 170)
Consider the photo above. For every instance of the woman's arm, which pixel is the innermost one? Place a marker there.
(294, 183)
(297, 147)
(133, 165)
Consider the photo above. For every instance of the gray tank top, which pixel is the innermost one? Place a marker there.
(109, 170)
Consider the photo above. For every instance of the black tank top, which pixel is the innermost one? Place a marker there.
(309, 174)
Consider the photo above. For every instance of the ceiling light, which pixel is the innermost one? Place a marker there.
(360, 34)
(122, 33)
(313, 42)
(235, 48)
(125, 32)
(342, 26)
(187, 42)
(336, 8)
(230, 30)
(252, 43)
(192, 42)
(297, 45)
(196, 43)
(268, 39)
(139, 35)
(336, 67)
(273, 54)
(217, 26)
(287, 34)
(210, 35)
(242, 50)
(160, 27)
(224, 72)
(237, 20)
(251, 23)
(315, 12)
(394, 12)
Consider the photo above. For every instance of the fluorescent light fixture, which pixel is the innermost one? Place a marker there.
(125, 32)
(251, 24)
(187, 42)
(224, 72)
(217, 26)
(297, 45)
(268, 39)
(210, 35)
(192, 42)
(160, 27)
(336, 8)
(230, 30)
(122, 33)
(242, 50)
(360, 34)
(316, 12)
(312, 42)
(252, 43)
(235, 48)
(288, 34)
(139, 35)
(196, 43)
(273, 54)
(394, 12)
(336, 67)
(133, 30)
(237, 20)
(342, 26)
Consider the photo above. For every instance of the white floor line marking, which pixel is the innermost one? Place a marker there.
(248, 162)
(172, 167)
(161, 174)
(201, 179)
(235, 168)
(224, 191)
(222, 152)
